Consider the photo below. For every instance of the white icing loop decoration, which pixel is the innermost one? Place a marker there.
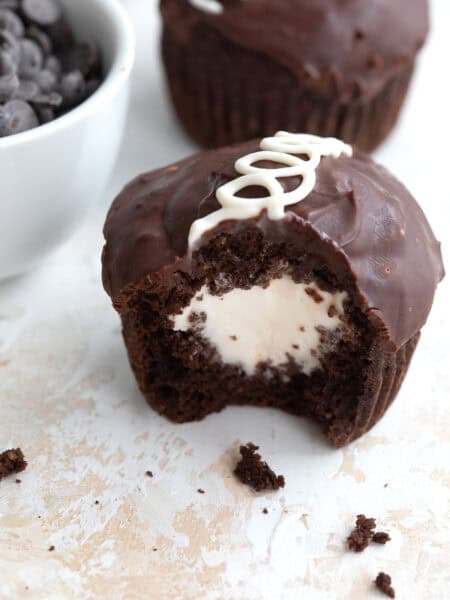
(285, 149)
(211, 6)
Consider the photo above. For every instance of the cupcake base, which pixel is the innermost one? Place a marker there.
(184, 377)
(219, 104)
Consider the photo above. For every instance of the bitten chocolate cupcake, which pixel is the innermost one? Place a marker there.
(240, 69)
(290, 272)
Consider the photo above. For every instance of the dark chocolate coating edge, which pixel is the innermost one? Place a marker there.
(367, 217)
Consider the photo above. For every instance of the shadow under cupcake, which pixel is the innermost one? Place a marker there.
(240, 69)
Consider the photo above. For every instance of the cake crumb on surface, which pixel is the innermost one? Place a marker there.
(51, 549)
(149, 473)
(11, 462)
(265, 511)
(256, 473)
(362, 534)
(200, 491)
(384, 584)
(381, 537)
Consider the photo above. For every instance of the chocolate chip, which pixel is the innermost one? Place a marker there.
(42, 12)
(27, 90)
(43, 72)
(31, 57)
(73, 88)
(9, 21)
(16, 116)
(53, 64)
(53, 99)
(10, 45)
(8, 85)
(46, 81)
(41, 38)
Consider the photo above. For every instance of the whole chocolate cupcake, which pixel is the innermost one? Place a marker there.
(291, 272)
(240, 69)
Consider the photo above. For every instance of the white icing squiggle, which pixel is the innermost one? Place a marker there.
(211, 6)
(285, 149)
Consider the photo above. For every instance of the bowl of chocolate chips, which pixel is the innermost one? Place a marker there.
(64, 85)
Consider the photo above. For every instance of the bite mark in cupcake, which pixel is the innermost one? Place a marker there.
(286, 301)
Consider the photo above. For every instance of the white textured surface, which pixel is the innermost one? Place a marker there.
(253, 326)
(68, 399)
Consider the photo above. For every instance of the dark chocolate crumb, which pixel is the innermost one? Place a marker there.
(200, 491)
(332, 311)
(314, 294)
(381, 537)
(375, 61)
(295, 346)
(149, 473)
(18, 481)
(383, 583)
(11, 462)
(302, 328)
(233, 337)
(197, 318)
(252, 471)
(51, 549)
(155, 549)
(97, 502)
(265, 511)
(362, 534)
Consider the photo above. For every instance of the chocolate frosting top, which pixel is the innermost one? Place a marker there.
(359, 210)
(354, 45)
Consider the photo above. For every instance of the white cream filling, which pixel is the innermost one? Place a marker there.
(270, 324)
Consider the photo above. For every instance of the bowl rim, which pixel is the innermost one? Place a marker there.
(117, 76)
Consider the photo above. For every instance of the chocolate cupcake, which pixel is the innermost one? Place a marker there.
(290, 272)
(240, 69)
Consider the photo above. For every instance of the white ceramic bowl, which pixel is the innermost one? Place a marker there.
(50, 175)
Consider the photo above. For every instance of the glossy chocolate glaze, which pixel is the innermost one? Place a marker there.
(359, 218)
(351, 46)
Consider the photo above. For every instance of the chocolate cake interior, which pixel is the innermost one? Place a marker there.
(185, 375)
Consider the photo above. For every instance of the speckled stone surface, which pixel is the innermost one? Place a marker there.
(68, 399)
